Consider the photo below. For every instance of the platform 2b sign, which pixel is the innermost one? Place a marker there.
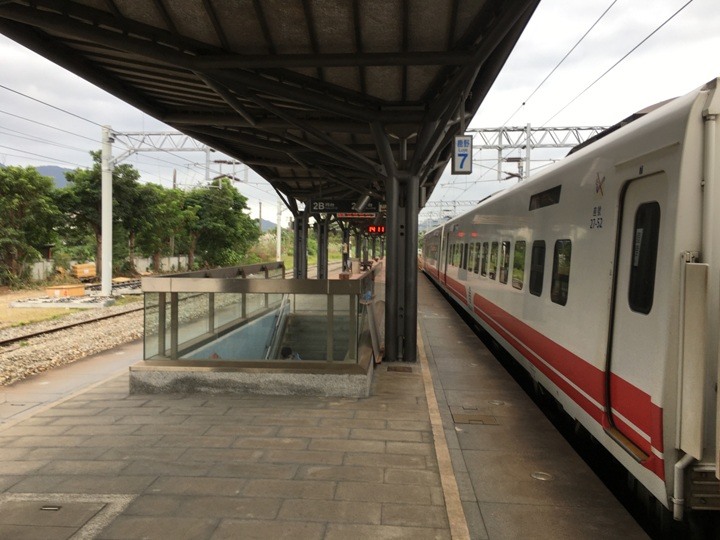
(334, 207)
(462, 154)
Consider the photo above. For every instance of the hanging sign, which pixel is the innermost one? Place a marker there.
(462, 154)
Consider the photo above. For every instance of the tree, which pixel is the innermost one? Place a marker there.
(27, 216)
(81, 200)
(222, 231)
(165, 219)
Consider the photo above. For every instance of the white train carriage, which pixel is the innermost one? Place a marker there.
(601, 276)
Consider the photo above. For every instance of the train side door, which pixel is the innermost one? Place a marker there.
(637, 334)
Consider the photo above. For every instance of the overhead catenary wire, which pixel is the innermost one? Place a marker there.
(588, 87)
(637, 46)
(562, 60)
(156, 158)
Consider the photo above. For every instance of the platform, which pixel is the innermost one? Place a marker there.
(91, 460)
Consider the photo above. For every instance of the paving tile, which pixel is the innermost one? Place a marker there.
(304, 456)
(6, 482)
(364, 491)
(344, 473)
(222, 455)
(386, 435)
(330, 512)
(40, 441)
(102, 429)
(59, 410)
(232, 529)
(131, 453)
(155, 505)
(195, 441)
(189, 485)
(285, 421)
(282, 469)
(420, 449)
(82, 467)
(385, 460)
(34, 431)
(410, 476)
(414, 515)
(343, 445)
(177, 528)
(384, 532)
(352, 423)
(289, 443)
(117, 441)
(231, 507)
(239, 430)
(290, 489)
(64, 453)
(314, 432)
(165, 468)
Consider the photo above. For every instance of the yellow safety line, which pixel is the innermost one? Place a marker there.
(453, 505)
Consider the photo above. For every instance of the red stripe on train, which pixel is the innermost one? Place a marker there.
(561, 366)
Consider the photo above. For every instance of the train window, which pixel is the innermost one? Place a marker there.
(537, 267)
(504, 261)
(483, 266)
(478, 247)
(545, 198)
(518, 272)
(644, 257)
(561, 272)
(451, 256)
(493, 260)
(465, 256)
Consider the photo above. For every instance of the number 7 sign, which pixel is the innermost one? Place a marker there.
(462, 154)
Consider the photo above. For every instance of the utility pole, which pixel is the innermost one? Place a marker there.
(106, 228)
(260, 216)
(278, 240)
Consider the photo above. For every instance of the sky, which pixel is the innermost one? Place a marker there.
(680, 56)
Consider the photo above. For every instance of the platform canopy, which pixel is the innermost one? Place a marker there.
(319, 97)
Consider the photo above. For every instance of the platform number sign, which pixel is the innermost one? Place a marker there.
(462, 154)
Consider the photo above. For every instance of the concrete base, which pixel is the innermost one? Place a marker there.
(332, 380)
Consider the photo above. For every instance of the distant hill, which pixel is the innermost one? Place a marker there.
(267, 226)
(54, 172)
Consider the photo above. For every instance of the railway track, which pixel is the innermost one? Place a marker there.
(24, 337)
(6, 344)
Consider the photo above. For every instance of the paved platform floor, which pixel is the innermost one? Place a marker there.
(84, 459)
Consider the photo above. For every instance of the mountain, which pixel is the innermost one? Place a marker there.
(267, 226)
(54, 172)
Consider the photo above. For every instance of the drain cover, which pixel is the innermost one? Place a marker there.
(58, 515)
(482, 419)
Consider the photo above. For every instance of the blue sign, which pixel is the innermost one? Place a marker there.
(462, 154)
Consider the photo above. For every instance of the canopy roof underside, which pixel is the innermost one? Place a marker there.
(320, 97)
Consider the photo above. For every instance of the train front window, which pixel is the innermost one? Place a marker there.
(518, 272)
(561, 272)
(537, 267)
(643, 259)
(504, 261)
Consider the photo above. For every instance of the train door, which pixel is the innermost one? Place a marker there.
(637, 335)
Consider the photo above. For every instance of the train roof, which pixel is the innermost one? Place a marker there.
(642, 119)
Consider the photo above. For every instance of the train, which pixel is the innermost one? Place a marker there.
(600, 275)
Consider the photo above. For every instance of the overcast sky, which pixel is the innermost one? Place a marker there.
(678, 58)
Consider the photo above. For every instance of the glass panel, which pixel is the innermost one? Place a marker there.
(493, 260)
(504, 261)
(644, 257)
(537, 267)
(476, 268)
(519, 265)
(561, 272)
(483, 267)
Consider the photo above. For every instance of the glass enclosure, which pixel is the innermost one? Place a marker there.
(218, 316)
